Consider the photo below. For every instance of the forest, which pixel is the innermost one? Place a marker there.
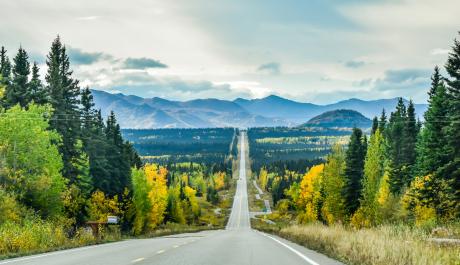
(284, 148)
(62, 164)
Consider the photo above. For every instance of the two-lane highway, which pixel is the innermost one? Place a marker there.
(238, 244)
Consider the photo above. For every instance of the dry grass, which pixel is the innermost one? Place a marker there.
(381, 245)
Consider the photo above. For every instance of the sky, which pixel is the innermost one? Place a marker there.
(318, 51)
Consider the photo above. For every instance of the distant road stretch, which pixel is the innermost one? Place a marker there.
(238, 244)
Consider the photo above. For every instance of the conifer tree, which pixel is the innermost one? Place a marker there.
(36, 89)
(410, 139)
(452, 169)
(431, 149)
(355, 155)
(382, 122)
(375, 125)
(5, 66)
(64, 97)
(17, 92)
(395, 134)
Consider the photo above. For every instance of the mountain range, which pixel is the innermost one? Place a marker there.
(145, 113)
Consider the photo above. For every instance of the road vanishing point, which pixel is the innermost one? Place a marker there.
(238, 244)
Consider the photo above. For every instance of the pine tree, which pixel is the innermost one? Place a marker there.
(431, 149)
(119, 156)
(36, 89)
(452, 169)
(5, 66)
(395, 137)
(382, 122)
(355, 155)
(375, 125)
(17, 92)
(64, 97)
(410, 140)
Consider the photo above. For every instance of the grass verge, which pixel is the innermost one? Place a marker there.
(383, 245)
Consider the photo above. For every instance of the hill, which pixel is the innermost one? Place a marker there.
(339, 118)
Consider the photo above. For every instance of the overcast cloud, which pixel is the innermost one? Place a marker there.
(318, 51)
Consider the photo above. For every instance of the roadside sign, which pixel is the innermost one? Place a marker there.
(112, 219)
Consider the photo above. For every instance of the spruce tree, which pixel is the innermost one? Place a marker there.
(410, 139)
(17, 92)
(5, 66)
(354, 166)
(36, 89)
(431, 149)
(118, 155)
(64, 97)
(395, 136)
(375, 125)
(452, 169)
(382, 122)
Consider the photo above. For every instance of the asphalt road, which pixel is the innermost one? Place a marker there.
(238, 244)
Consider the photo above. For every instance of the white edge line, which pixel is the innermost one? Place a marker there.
(137, 260)
(58, 252)
(291, 249)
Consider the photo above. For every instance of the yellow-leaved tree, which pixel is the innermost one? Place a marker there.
(219, 180)
(158, 193)
(310, 194)
(100, 206)
(263, 178)
(150, 197)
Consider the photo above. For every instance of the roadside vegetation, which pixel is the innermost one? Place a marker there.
(391, 197)
(62, 165)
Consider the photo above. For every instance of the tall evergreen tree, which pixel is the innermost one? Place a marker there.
(36, 89)
(395, 136)
(382, 122)
(354, 167)
(431, 149)
(119, 157)
(410, 139)
(452, 169)
(17, 92)
(5, 66)
(375, 125)
(64, 97)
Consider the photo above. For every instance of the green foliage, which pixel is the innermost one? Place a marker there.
(354, 166)
(30, 159)
(175, 212)
(333, 208)
(373, 173)
(17, 92)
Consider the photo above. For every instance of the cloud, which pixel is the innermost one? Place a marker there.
(272, 68)
(88, 18)
(142, 63)
(404, 79)
(354, 64)
(77, 56)
(439, 51)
